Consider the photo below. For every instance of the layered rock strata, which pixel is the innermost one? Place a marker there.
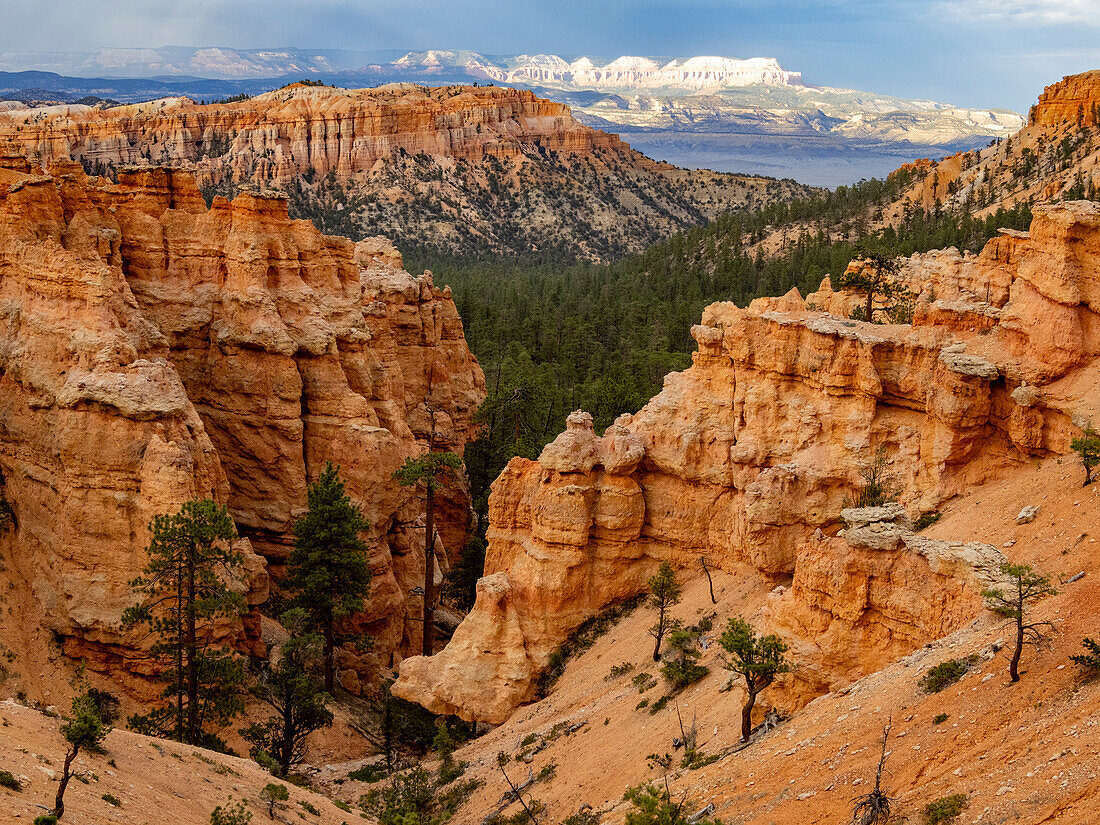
(153, 350)
(456, 168)
(749, 456)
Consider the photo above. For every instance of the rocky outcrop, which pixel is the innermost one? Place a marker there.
(153, 350)
(749, 456)
(1073, 99)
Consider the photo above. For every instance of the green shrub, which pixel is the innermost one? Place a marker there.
(877, 484)
(652, 805)
(940, 718)
(45, 819)
(682, 674)
(642, 704)
(343, 806)
(619, 670)
(683, 668)
(926, 520)
(944, 809)
(368, 773)
(1090, 660)
(413, 799)
(8, 780)
(944, 675)
(529, 739)
(643, 681)
(111, 799)
(659, 705)
(451, 770)
(585, 817)
(309, 807)
(231, 814)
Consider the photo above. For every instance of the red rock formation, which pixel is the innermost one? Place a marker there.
(748, 457)
(278, 135)
(152, 350)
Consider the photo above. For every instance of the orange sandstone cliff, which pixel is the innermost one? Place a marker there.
(276, 136)
(153, 350)
(748, 457)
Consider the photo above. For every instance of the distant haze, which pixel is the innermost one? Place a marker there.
(976, 53)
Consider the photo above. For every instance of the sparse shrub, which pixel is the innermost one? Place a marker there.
(652, 805)
(111, 799)
(272, 794)
(451, 770)
(643, 681)
(642, 704)
(659, 705)
(1088, 661)
(944, 675)
(368, 773)
(585, 816)
(309, 807)
(619, 670)
(231, 814)
(45, 819)
(874, 807)
(940, 718)
(878, 484)
(8, 780)
(926, 520)
(944, 809)
(529, 739)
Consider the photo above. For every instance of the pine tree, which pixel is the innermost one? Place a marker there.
(876, 276)
(1026, 586)
(84, 731)
(329, 570)
(183, 590)
(664, 592)
(290, 689)
(431, 470)
(759, 659)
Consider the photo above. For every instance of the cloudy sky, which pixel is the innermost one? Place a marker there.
(971, 52)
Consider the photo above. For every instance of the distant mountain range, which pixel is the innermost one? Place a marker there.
(716, 112)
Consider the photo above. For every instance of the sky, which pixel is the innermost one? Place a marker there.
(984, 53)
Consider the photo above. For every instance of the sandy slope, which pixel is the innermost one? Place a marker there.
(157, 781)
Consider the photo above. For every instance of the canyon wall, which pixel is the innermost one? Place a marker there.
(458, 169)
(153, 350)
(274, 137)
(748, 458)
